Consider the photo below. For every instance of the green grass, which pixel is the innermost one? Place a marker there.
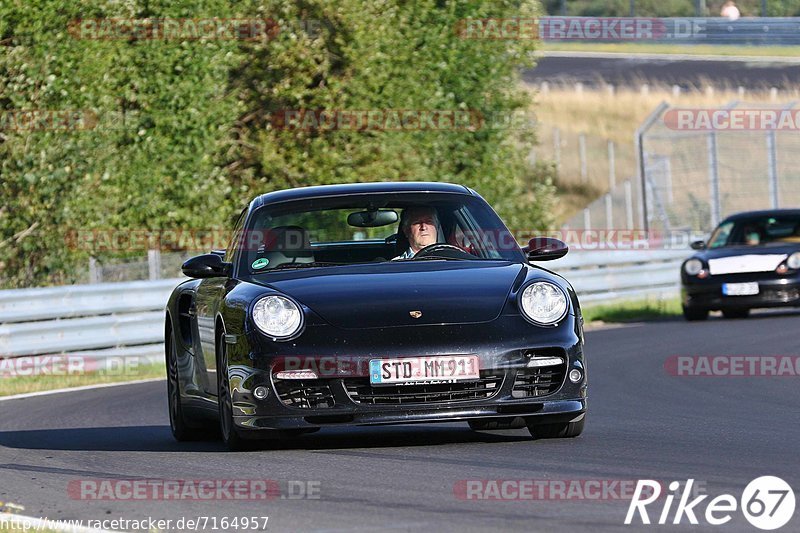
(632, 311)
(657, 48)
(24, 384)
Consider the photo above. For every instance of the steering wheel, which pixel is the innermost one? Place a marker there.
(447, 251)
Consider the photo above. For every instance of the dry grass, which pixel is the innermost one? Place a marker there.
(24, 384)
(604, 115)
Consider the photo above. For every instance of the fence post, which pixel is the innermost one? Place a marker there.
(95, 272)
(612, 166)
(154, 264)
(557, 147)
(713, 179)
(609, 211)
(587, 219)
(772, 159)
(582, 154)
(629, 204)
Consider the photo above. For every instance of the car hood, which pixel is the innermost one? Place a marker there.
(740, 259)
(384, 295)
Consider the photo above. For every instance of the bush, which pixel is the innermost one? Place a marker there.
(197, 143)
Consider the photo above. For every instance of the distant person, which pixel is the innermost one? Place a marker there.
(730, 11)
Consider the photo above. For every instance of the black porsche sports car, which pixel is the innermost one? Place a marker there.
(378, 303)
(751, 260)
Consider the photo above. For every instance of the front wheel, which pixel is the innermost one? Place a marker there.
(230, 436)
(564, 430)
(693, 314)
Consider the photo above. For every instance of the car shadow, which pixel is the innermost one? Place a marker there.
(159, 438)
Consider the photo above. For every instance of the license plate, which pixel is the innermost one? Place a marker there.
(740, 289)
(424, 369)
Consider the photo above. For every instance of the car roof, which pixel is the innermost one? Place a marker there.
(319, 191)
(762, 213)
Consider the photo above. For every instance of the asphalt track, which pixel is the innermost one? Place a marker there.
(686, 73)
(643, 423)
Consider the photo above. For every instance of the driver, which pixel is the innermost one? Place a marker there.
(420, 225)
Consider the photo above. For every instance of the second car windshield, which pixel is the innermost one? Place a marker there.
(757, 231)
(366, 229)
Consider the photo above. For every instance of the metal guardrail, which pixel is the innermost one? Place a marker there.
(126, 319)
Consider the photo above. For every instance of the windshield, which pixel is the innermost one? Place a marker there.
(373, 229)
(757, 231)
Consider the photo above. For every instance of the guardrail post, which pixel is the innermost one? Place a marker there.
(154, 264)
(772, 161)
(713, 179)
(95, 272)
(629, 204)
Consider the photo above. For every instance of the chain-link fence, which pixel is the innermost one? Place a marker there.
(701, 165)
(156, 265)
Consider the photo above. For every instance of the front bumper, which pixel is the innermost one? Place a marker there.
(774, 291)
(508, 388)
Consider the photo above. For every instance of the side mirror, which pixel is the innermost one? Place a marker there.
(206, 266)
(545, 249)
(698, 245)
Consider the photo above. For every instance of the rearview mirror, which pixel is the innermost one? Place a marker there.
(372, 219)
(698, 245)
(206, 266)
(545, 249)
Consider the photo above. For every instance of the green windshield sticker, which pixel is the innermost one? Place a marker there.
(260, 263)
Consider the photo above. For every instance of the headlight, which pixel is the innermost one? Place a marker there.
(794, 261)
(277, 316)
(693, 267)
(543, 302)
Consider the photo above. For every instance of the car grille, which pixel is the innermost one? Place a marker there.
(541, 381)
(361, 391)
(304, 393)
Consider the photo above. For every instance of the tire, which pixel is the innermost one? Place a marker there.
(693, 314)
(177, 419)
(227, 428)
(736, 313)
(565, 430)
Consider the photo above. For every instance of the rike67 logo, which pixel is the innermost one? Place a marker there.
(767, 503)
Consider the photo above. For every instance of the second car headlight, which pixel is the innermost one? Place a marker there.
(693, 267)
(277, 316)
(794, 261)
(543, 302)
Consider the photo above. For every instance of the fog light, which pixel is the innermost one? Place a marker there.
(544, 361)
(575, 375)
(296, 374)
(703, 274)
(260, 392)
